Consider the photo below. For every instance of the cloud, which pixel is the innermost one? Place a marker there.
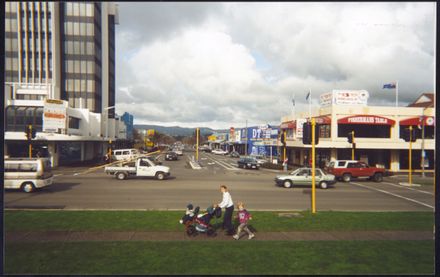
(224, 63)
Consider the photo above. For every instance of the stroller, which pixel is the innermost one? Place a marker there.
(196, 223)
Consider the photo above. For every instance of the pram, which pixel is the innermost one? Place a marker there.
(196, 223)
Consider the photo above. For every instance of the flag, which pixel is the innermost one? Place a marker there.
(391, 85)
(308, 95)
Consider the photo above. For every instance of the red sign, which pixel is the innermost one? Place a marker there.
(288, 125)
(323, 120)
(429, 121)
(366, 119)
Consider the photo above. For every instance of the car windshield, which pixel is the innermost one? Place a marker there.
(294, 172)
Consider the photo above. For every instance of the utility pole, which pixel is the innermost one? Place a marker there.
(410, 152)
(313, 168)
(423, 144)
(245, 146)
(197, 144)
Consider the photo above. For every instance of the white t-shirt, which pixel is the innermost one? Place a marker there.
(227, 200)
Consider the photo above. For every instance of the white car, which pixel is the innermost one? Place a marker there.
(219, 152)
(303, 176)
(178, 152)
(260, 159)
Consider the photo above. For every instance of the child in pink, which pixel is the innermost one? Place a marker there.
(243, 217)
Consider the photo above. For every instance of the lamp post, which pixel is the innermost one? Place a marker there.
(423, 142)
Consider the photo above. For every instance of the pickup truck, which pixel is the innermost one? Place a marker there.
(142, 167)
(348, 169)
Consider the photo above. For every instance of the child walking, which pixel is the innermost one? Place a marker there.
(243, 217)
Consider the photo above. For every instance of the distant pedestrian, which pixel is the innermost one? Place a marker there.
(229, 209)
(243, 217)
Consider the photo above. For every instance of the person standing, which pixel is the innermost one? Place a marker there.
(229, 209)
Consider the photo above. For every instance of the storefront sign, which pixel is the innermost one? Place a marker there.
(299, 127)
(238, 135)
(366, 119)
(429, 121)
(54, 115)
(344, 97)
(231, 134)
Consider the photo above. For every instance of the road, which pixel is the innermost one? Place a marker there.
(256, 188)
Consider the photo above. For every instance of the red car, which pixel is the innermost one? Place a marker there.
(348, 169)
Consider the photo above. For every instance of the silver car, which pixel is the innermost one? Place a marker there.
(303, 176)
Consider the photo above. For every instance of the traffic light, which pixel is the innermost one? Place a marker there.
(33, 132)
(283, 138)
(307, 133)
(350, 137)
(28, 132)
(410, 134)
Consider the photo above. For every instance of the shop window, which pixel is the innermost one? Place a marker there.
(364, 130)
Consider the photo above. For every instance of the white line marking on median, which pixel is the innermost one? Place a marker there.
(393, 194)
(400, 186)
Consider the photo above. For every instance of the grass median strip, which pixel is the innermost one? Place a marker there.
(168, 221)
(232, 257)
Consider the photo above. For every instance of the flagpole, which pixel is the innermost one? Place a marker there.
(397, 92)
(310, 103)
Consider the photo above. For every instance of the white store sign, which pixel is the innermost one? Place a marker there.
(54, 115)
(344, 97)
(299, 127)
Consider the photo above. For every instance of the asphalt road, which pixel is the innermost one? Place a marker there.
(72, 189)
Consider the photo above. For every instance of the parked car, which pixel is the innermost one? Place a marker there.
(219, 152)
(178, 152)
(260, 159)
(234, 154)
(248, 163)
(348, 169)
(303, 176)
(171, 156)
(205, 148)
(125, 154)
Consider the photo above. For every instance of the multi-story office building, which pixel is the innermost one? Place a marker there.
(378, 132)
(62, 51)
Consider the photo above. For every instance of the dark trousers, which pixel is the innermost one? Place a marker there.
(227, 219)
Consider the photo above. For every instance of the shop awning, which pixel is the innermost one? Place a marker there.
(288, 125)
(323, 120)
(429, 121)
(366, 119)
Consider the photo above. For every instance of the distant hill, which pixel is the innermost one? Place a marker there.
(176, 130)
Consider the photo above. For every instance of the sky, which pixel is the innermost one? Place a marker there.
(221, 64)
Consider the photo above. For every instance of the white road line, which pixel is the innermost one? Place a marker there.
(56, 175)
(393, 194)
(400, 186)
(223, 164)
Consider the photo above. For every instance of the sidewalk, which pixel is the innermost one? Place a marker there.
(71, 236)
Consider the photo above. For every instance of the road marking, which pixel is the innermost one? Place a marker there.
(400, 186)
(393, 194)
(223, 164)
(56, 175)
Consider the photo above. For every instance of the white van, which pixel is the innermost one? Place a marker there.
(27, 174)
(125, 154)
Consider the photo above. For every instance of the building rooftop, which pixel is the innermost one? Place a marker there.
(425, 100)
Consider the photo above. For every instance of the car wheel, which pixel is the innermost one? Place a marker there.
(28, 187)
(160, 176)
(346, 177)
(323, 185)
(287, 184)
(121, 176)
(378, 177)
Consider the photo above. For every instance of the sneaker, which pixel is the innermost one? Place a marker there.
(235, 237)
(251, 236)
